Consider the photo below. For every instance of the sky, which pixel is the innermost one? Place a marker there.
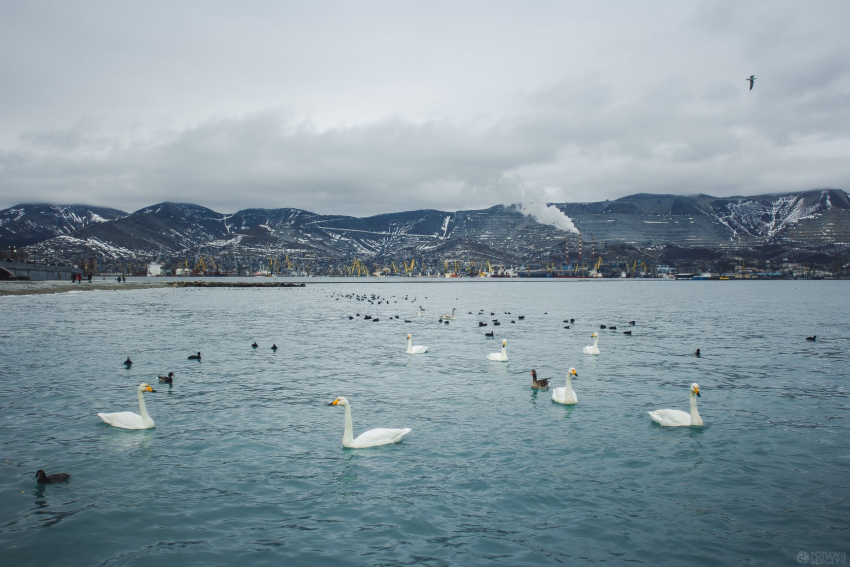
(369, 107)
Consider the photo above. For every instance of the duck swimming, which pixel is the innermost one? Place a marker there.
(813, 338)
(274, 347)
(128, 363)
(255, 345)
(168, 379)
(43, 478)
(195, 356)
(536, 384)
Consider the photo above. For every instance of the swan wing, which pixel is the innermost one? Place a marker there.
(419, 349)
(558, 394)
(378, 437)
(670, 417)
(125, 420)
(494, 356)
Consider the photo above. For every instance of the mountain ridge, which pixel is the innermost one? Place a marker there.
(814, 219)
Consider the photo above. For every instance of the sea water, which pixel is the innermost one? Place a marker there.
(246, 467)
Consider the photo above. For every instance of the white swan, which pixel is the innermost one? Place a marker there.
(371, 438)
(500, 356)
(594, 348)
(128, 419)
(566, 395)
(678, 418)
(450, 317)
(419, 313)
(418, 349)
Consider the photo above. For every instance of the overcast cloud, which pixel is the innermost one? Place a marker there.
(369, 107)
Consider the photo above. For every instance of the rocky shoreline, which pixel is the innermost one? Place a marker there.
(56, 286)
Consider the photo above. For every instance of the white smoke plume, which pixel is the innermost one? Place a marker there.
(550, 215)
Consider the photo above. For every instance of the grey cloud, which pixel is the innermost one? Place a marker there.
(666, 108)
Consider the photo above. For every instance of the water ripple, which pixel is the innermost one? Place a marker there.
(246, 464)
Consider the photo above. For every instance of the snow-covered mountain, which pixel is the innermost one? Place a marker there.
(810, 219)
(803, 216)
(28, 224)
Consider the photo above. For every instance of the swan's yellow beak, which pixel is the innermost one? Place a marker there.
(574, 373)
(696, 391)
(335, 402)
(149, 389)
(408, 336)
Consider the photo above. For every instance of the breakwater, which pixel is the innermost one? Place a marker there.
(204, 283)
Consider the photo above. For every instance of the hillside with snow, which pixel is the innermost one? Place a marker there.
(817, 220)
(28, 224)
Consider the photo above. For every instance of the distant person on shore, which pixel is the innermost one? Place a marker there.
(89, 278)
(79, 278)
(73, 278)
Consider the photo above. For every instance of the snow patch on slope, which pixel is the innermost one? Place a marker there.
(766, 219)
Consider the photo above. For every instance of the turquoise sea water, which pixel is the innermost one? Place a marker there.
(246, 466)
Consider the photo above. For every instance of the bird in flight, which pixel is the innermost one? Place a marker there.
(752, 81)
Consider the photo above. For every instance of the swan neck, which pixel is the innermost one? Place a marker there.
(569, 387)
(409, 350)
(695, 418)
(142, 409)
(348, 436)
(596, 342)
(504, 352)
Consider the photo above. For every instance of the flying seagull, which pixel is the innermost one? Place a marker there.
(752, 81)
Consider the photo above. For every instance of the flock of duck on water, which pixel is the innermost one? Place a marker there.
(384, 436)
(562, 395)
